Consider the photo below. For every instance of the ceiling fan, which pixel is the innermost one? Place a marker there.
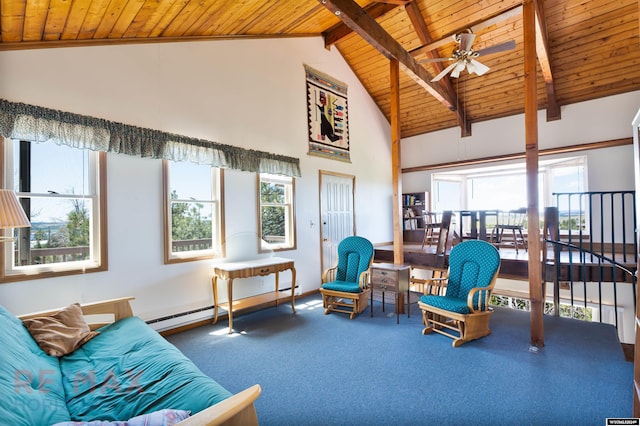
(464, 56)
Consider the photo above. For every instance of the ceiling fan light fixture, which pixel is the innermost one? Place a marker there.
(471, 68)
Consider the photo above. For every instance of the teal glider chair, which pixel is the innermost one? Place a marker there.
(463, 312)
(345, 286)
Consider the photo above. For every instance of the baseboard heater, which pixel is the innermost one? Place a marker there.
(194, 311)
(181, 314)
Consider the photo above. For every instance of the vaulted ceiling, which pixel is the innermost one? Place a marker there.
(586, 49)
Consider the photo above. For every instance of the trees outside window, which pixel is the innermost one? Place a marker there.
(193, 211)
(276, 212)
(61, 189)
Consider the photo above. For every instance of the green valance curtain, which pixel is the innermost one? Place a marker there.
(37, 124)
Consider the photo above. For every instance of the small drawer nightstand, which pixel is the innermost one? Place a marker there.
(391, 277)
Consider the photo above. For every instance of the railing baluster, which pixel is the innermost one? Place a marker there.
(601, 249)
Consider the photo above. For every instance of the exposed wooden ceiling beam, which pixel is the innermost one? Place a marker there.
(397, 2)
(474, 27)
(27, 45)
(422, 31)
(542, 50)
(364, 25)
(339, 31)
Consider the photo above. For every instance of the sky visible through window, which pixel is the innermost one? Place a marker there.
(505, 188)
(54, 169)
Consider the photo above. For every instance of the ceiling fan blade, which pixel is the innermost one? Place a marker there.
(444, 72)
(424, 61)
(466, 40)
(508, 45)
(477, 67)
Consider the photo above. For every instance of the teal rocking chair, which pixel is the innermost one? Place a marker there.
(463, 312)
(345, 286)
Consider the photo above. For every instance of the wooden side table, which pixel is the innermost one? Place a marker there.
(250, 268)
(391, 277)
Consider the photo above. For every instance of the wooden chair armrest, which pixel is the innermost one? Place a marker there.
(329, 274)
(235, 410)
(363, 281)
(431, 286)
(480, 306)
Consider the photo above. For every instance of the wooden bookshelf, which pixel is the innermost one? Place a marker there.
(414, 204)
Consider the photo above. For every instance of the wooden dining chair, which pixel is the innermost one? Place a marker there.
(512, 221)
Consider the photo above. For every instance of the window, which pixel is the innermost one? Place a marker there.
(276, 212)
(193, 211)
(62, 192)
(504, 187)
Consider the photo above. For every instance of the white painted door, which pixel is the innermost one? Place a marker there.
(336, 213)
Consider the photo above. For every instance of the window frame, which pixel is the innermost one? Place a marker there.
(290, 212)
(217, 250)
(98, 230)
(546, 168)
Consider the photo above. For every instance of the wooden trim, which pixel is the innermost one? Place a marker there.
(340, 31)
(29, 45)
(396, 162)
(550, 151)
(104, 229)
(536, 285)
(165, 211)
(542, 49)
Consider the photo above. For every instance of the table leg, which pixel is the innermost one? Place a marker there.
(371, 301)
(398, 307)
(277, 287)
(230, 299)
(214, 285)
(293, 289)
(408, 303)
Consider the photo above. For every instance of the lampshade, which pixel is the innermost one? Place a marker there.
(11, 213)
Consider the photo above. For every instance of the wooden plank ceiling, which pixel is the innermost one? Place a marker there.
(586, 49)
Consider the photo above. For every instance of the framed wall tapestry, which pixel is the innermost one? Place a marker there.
(327, 115)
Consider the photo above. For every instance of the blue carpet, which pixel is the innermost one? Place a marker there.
(329, 370)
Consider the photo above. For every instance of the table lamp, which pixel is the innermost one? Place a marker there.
(11, 213)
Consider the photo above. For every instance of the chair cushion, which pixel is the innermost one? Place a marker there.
(354, 256)
(451, 304)
(471, 264)
(344, 286)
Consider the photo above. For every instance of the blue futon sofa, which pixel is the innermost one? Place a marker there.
(124, 371)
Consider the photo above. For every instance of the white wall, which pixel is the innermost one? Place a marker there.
(245, 93)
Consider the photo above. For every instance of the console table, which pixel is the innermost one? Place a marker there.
(245, 269)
